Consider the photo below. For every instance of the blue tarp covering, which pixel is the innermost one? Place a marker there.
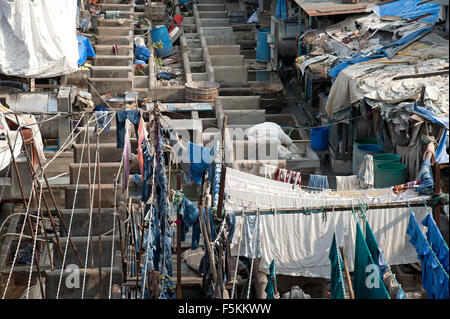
(441, 152)
(85, 49)
(409, 9)
(387, 51)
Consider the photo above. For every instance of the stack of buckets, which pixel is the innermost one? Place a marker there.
(388, 171)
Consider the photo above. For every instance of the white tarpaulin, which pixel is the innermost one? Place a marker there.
(38, 38)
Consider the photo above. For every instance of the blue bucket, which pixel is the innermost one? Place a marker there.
(262, 47)
(161, 33)
(319, 138)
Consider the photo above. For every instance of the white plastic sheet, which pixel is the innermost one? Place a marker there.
(38, 38)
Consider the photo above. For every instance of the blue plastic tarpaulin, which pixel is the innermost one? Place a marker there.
(389, 50)
(142, 53)
(409, 9)
(85, 49)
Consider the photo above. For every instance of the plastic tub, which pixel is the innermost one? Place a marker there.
(319, 138)
(390, 174)
(382, 158)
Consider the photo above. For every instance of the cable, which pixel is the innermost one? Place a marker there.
(71, 214)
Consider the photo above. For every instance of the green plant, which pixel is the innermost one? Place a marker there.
(157, 45)
(159, 62)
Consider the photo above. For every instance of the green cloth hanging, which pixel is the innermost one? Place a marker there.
(270, 288)
(372, 244)
(337, 280)
(367, 282)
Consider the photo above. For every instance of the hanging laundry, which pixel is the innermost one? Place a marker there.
(198, 162)
(337, 279)
(271, 283)
(367, 282)
(121, 116)
(436, 240)
(281, 11)
(287, 176)
(103, 117)
(268, 171)
(434, 277)
(366, 172)
(347, 182)
(251, 242)
(142, 135)
(374, 250)
(426, 178)
(126, 159)
(189, 215)
(317, 183)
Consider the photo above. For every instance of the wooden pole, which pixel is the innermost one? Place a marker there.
(347, 273)
(36, 257)
(437, 191)
(205, 235)
(90, 185)
(99, 217)
(330, 208)
(179, 296)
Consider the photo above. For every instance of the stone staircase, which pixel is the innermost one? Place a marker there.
(111, 73)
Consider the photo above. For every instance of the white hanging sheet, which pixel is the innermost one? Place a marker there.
(300, 243)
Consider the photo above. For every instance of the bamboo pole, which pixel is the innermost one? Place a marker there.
(178, 244)
(205, 235)
(347, 273)
(99, 217)
(293, 210)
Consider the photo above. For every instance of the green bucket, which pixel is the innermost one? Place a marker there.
(359, 141)
(382, 158)
(390, 174)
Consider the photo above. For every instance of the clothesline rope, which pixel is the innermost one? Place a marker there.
(33, 254)
(90, 219)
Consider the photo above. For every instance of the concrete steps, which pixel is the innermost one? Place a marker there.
(105, 137)
(113, 60)
(108, 153)
(113, 39)
(80, 221)
(108, 172)
(102, 71)
(114, 22)
(113, 86)
(114, 31)
(106, 49)
(83, 196)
